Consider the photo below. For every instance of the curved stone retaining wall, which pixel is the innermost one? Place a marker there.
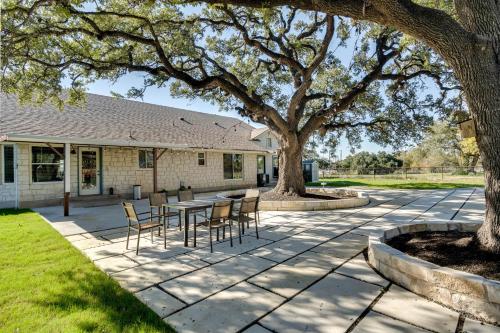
(459, 290)
(357, 199)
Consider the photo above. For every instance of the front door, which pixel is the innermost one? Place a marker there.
(89, 171)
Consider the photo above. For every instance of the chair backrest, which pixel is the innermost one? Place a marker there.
(130, 213)
(252, 193)
(249, 205)
(184, 195)
(221, 210)
(157, 199)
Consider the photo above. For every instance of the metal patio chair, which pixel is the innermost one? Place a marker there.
(252, 193)
(141, 224)
(248, 206)
(220, 217)
(157, 202)
(188, 195)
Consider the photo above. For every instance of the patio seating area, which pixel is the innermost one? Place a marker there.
(305, 272)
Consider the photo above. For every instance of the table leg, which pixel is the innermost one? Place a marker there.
(186, 227)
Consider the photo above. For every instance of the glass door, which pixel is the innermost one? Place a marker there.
(89, 171)
(261, 164)
(275, 166)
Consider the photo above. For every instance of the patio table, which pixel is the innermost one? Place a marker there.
(187, 206)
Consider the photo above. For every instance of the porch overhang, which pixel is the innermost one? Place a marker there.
(118, 143)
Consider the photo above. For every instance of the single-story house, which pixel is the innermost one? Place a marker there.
(112, 144)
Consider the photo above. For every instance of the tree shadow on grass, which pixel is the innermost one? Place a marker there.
(105, 305)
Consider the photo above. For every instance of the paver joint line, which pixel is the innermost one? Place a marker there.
(369, 308)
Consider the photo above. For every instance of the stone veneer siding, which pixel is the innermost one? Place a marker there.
(120, 170)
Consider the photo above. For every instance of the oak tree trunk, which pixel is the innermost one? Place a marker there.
(290, 178)
(477, 66)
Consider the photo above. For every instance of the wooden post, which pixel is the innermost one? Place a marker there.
(67, 177)
(155, 170)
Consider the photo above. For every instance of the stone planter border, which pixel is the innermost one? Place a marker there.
(358, 199)
(459, 290)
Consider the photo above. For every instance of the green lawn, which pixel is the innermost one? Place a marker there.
(47, 285)
(402, 183)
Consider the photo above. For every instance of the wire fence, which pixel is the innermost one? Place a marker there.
(442, 173)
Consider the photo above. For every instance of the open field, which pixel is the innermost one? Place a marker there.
(435, 182)
(47, 285)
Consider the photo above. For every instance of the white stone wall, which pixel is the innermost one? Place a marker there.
(29, 191)
(262, 141)
(120, 170)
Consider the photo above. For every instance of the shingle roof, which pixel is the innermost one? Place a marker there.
(257, 131)
(126, 122)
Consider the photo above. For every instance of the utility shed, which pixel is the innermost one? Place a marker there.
(310, 170)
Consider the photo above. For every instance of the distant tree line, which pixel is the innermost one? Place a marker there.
(364, 162)
(443, 146)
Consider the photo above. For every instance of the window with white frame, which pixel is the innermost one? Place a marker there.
(8, 163)
(233, 166)
(47, 164)
(269, 142)
(145, 159)
(201, 159)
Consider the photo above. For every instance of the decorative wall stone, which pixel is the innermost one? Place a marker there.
(358, 199)
(460, 290)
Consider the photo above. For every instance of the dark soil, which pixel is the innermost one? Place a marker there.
(273, 196)
(453, 249)
(236, 196)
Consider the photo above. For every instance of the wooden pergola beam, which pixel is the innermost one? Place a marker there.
(55, 150)
(156, 157)
(155, 170)
(161, 154)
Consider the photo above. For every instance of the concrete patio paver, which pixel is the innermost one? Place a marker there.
(375, 322)
(287, 248)
(330, 305)
(115, 264)
(406, 306)
(223, 250)
(345, 246)
(227, 311)
(283, 281)
(257, 329)
(143, 276)
(211, 279)
(474, 326)
(359, 269)
(159, 301)
(296, 274)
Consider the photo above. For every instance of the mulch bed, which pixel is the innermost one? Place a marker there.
(453, 249)
(273, 196)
